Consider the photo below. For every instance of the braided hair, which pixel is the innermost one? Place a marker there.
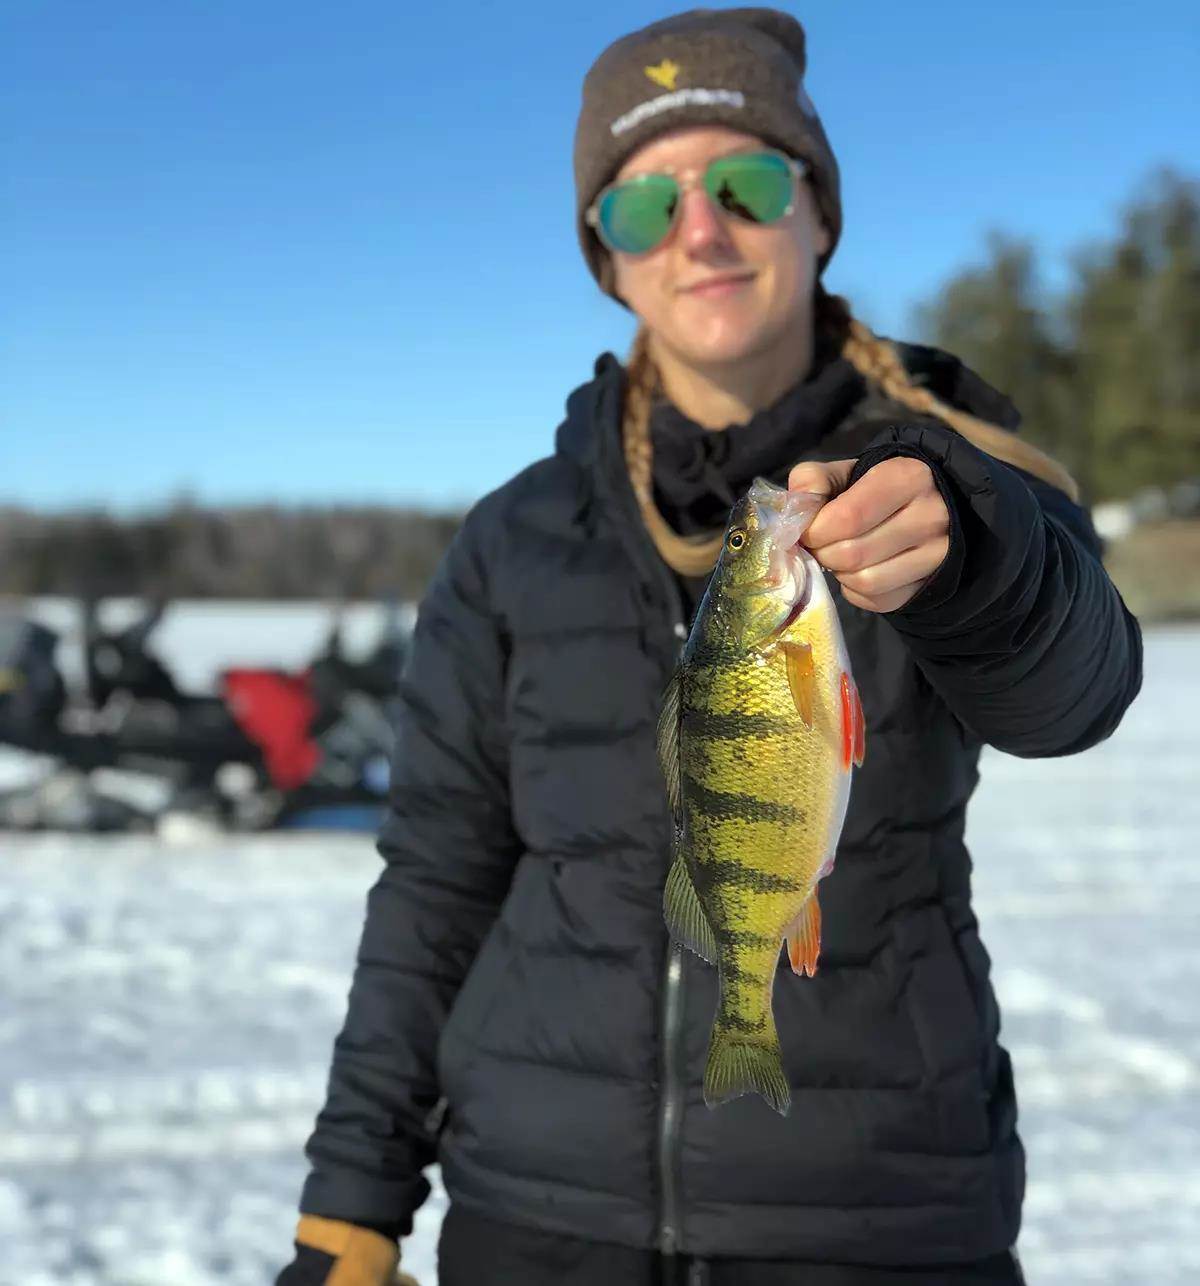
(874, 358)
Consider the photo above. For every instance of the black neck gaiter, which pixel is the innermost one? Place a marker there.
(700, 473)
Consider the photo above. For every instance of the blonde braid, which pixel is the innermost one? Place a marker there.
(879, 362)
(689, 555)
(641, 381)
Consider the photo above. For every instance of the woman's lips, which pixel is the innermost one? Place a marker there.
(718, 289)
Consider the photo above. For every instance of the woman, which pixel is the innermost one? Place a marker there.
(517, 1011)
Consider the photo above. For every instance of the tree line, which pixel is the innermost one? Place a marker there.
(1106, 374)
(267, 551)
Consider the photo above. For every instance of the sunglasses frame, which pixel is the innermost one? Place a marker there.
(800, 169)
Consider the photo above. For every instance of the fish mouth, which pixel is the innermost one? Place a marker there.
(784, 517)
(788, 512)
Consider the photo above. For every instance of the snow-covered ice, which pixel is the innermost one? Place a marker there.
(168, 1012)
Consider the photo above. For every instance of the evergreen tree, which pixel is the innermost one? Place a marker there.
(1135, 320)
(1107, 377)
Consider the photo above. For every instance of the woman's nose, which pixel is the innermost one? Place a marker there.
(700, 223)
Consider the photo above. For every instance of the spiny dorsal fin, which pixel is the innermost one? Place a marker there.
(668, 743)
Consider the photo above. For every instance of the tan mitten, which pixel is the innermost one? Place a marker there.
(331, 1252)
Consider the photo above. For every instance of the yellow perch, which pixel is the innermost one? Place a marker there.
(760, 728)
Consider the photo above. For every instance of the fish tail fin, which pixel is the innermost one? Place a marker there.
(738, 1066)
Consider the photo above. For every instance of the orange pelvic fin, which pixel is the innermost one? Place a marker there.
(802, 678)
(804, 937)
(854, 728)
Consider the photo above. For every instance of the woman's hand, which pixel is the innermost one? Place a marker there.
(885, 536)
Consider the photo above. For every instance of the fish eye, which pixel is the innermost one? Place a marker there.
(735, 540)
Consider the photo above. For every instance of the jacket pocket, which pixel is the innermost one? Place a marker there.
(946, 1025)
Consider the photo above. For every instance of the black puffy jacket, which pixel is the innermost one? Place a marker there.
(516, 1009)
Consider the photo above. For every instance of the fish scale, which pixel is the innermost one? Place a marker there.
(757, 738)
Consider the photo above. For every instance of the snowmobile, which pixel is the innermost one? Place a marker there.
(132, 751)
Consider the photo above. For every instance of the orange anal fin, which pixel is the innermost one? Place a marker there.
(853, 725)
(804, 937)
(801, 678)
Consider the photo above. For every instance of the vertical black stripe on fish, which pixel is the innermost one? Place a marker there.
(726, 873)
(739, 804)
(738, 977)
(735, 725)
(733, 1021)
(744, 989)
(711, 649)
(748, 938)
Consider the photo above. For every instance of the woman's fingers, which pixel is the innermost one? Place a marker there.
(884, 536)
(910, 568)
(878, 494)
(921, 520)
(886, 602)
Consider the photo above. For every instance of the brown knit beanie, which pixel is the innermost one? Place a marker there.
(743, 68)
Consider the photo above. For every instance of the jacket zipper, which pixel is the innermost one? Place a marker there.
(670, 1107)
(670, 1102)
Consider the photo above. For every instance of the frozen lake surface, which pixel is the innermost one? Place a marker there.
(168, 1015)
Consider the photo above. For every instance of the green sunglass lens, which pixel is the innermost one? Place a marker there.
(636, 216)
(758, 188)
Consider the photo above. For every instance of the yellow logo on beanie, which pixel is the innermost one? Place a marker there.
(664, 74)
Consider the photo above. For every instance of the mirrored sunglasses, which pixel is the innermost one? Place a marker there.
(636, 215)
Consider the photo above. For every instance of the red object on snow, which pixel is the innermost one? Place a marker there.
(275, 711)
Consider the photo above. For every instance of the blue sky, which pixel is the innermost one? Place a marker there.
(280, 249)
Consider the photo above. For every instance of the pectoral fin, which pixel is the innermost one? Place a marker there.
(804, 937)
(802, 678)
(685, 916)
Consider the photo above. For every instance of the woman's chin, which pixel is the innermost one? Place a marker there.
(718, 341)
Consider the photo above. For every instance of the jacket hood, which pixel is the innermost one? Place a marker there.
(592, 407)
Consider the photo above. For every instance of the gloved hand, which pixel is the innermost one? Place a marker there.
(330, 1252)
